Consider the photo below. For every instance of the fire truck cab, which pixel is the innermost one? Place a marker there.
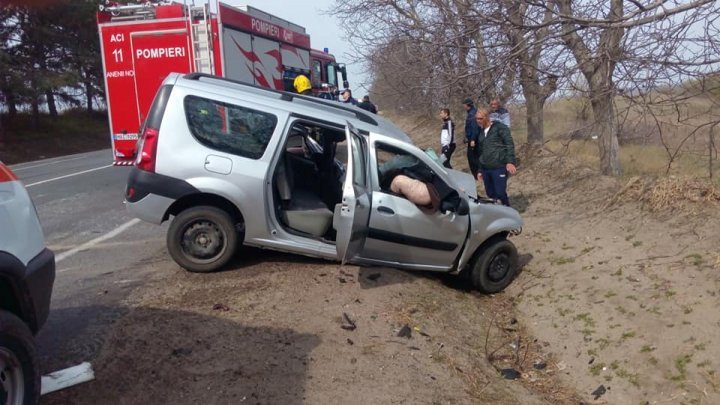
(142, 43)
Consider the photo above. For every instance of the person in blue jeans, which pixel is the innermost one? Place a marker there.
(495, 152)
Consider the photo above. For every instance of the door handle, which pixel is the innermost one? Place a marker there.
(385, 210)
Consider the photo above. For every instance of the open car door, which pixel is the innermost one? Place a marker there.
(354, 211)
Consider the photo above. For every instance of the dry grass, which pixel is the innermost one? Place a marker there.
(670, 192)
(568, 131)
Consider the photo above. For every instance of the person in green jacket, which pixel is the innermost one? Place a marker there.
(495, 152)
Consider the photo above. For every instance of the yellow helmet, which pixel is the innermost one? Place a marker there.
(302, 83)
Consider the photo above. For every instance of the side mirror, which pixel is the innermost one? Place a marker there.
(343, 74)
(463, 208)
(456, 204)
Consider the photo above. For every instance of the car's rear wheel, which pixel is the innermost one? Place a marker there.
(19, 374)
(494, 267)
(202, 239)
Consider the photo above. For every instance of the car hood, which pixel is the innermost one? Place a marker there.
(465, 181)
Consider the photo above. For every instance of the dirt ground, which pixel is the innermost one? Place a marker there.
(626, 295)
(273, 330)
(613, 293)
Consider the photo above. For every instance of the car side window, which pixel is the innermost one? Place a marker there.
(404, 174)
(391, 161)
(331, 74)
(229, 128)
(316, 73)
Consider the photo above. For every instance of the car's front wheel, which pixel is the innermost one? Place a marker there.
(494, 267)
(202, 239)
(19, 374)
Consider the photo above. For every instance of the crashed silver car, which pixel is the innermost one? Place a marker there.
(234, 164)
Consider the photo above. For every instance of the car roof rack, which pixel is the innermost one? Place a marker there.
(287, 96)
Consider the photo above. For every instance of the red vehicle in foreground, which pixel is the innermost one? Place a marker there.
(141, 44)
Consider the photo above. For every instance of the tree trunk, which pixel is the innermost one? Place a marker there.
(598, 69)
(606, 125)
(11, 101)
(535, 122)
(88, 96)
(35, 113)
(50, 99)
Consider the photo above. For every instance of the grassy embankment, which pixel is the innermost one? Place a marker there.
(72, 132)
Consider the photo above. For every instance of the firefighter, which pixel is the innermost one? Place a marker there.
(302, 85)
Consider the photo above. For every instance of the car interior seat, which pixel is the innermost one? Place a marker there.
(302, 210)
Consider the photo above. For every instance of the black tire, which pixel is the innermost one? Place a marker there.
(19, 372)
(494, 268)
(202, 239)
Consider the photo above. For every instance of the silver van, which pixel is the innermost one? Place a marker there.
(236, 164)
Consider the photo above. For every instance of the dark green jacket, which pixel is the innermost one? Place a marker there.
(497, 148)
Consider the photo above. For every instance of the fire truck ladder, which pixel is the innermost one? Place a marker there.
(201, 39)
(130, 12)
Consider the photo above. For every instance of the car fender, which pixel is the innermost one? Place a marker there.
(253, 214)
(12, 274)
(486, 221)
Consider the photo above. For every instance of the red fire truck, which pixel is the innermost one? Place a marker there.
(142, 43)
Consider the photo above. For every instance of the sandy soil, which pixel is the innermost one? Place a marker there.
(271, 331)
(625, 296)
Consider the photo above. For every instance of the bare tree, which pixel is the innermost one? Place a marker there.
(538, 76)
(452, 50)
(597, 33)
(464, 48)
(623, 49)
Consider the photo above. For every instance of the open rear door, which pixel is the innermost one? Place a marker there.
(351, 221)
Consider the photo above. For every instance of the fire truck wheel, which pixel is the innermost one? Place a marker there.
(202, 239)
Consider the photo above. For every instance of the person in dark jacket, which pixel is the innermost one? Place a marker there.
(471, 132)
(495, 155)
(365, 104)
(346, 97)
(447, 136)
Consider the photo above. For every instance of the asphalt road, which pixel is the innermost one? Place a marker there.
(102, 253)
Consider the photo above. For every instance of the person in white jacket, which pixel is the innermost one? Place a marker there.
(447, 136)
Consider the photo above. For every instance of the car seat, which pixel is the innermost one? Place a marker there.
(302, 210)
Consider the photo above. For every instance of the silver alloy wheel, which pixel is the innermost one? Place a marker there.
(12, 383)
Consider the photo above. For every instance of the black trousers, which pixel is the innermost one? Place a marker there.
(472, 160)
(447, 151)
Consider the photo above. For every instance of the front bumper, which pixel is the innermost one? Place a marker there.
(39, 280)
(30, 286)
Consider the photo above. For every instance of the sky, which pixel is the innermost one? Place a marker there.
(324, 31)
